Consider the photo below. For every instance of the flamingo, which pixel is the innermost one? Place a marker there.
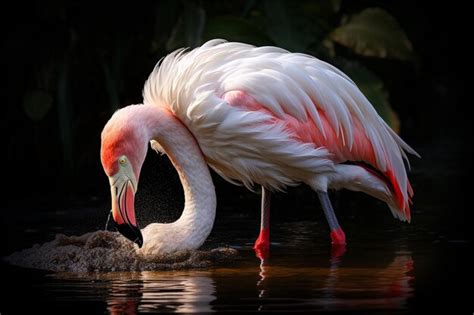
(256, 116)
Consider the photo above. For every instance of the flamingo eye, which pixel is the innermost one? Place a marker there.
(123, 160)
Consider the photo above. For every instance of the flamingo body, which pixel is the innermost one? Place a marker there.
(262, 115)
(256, 115)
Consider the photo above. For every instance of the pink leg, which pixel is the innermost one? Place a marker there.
(338, 237)
(262, 244)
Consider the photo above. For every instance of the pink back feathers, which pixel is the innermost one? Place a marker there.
(360, 150)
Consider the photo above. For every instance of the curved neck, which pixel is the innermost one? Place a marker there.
(197, 219)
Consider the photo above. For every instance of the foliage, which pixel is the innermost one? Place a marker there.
(314, 27)
(373, 88)
(375, 33)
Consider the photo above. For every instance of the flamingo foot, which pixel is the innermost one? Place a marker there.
(338, 241)
(262, 245)
(337, 251)
(338, 237)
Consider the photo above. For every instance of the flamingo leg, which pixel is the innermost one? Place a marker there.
(262, 244)
(338, 237)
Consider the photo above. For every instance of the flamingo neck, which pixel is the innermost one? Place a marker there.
(196, 222)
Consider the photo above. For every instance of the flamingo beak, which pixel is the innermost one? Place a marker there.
(123, 209)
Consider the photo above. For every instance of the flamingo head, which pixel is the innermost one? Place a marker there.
(123, 150)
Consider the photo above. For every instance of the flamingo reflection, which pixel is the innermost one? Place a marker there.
(166, 291)
(340, 286)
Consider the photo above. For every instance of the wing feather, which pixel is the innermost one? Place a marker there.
(192, 83)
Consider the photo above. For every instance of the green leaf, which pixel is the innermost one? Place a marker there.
(234, 29)
(36, 104)
(375, 33)
(374, 89)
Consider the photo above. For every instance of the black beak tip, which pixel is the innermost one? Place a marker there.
(131, 232)
(139, 239)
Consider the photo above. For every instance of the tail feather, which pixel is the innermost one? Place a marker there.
(401, 206)
(360, 176)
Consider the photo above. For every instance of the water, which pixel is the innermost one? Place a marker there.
(388, 266)
(300, 277)
(258, 288)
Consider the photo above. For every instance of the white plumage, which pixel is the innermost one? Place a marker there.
(241, 144)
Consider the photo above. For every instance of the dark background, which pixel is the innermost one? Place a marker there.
(66, 51)
(88, 60)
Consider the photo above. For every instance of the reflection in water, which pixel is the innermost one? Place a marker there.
(337, 252)
(341, 288)
(158, 292)
(369, 288)
(261, 282)
(331, 288)
(341, 283)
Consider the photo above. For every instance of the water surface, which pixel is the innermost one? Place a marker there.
(388, 267)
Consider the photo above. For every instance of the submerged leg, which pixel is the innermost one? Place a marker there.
(338, 237)
(262, 244)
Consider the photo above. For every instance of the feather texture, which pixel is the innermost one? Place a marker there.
(248, 139)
